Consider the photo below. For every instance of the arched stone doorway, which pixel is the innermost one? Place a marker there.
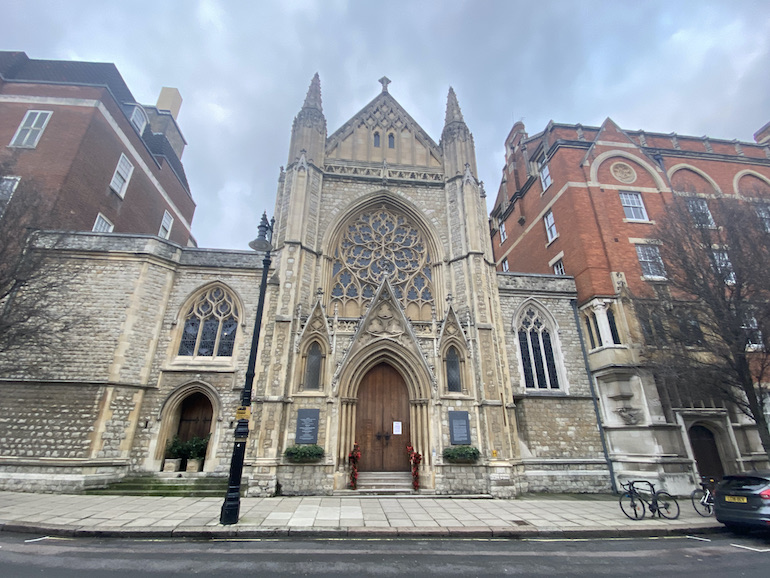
(706, 452)
(383, 420)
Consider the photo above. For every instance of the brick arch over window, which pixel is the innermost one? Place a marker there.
(208, 323)
(618, 154)
(383, 238)
(540, 359)
(751, 184)
(687, 178)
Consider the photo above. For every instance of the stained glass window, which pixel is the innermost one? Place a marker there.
(454, 381)
(313, 367)
(377, 245)
(210, 325)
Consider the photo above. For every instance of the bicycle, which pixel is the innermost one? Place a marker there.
(703, 498)
(632, 502)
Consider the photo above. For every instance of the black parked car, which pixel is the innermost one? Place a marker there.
(743, 500)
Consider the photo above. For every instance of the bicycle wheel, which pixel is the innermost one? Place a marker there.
(667, 505)
(632, 506)
(700, 504)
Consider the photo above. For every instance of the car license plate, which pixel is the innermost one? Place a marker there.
(736, 499)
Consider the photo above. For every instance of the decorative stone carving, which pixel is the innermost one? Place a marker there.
(623, 172)
(629, 415)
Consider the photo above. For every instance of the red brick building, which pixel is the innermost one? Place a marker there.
(583, 202)
(73, 135)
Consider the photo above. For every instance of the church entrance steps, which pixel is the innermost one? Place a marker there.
(188, 485)
(382, 483)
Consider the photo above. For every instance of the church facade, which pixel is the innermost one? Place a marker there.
(386, 325)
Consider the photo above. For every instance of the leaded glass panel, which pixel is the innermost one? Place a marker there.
(454, 381)
(313, 367)
(377, 245)
(210, 325)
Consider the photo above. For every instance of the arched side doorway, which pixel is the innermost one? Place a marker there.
(383, 420)
(706, 452)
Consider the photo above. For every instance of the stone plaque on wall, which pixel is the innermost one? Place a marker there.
(459, 428)
(307, 426)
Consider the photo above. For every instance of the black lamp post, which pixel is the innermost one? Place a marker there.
(232, 504)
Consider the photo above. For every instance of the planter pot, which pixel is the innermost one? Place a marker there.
(172, 465)
(194, 465)
(461, 462)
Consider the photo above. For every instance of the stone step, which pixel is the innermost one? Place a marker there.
(195, 485)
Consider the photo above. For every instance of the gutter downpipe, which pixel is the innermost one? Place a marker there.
(592, 386)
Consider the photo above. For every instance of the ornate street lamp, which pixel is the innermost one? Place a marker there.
(232, 504)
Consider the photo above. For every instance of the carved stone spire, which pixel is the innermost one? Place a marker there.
(456, 140)
(453, 112)
(309, 130)
(313, 98)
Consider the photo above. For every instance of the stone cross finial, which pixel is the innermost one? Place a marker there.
(384, 81)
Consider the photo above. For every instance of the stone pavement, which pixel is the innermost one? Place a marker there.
(321, 516)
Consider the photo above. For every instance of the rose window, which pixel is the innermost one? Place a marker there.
(375, 246)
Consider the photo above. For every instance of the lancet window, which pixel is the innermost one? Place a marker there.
(376, 245)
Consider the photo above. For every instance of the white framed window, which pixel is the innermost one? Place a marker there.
(753, 334)
(723, 265)
(102, 224)
(763, 212)
(31, 129)
(7, 187)
(122, 175)
(139, 119)
(503, 235)
(545, 176)
(699, 210)
(550, 226)
(633, 206)
(558, 267)
(651, 261)
(505, 265)
(165, 225)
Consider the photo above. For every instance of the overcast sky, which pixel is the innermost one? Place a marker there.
(243, 68)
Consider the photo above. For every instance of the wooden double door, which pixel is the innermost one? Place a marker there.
(382, 421)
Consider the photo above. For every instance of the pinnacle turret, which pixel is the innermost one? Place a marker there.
(313, 98)
(453, 112)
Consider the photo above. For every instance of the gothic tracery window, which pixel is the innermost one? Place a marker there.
(210, 325)
(538, 359)
(377, 245)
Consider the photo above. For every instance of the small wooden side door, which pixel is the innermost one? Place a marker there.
(383, 404)
(195, 418)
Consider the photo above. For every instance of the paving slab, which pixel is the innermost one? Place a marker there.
(141, 516)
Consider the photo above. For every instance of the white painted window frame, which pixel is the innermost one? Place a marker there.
(31, 133)
(550, 226)
(632, 202)
(99, 219)
(166, 223)
(121, 176)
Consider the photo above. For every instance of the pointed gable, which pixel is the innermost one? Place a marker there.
(383, 132)
(316, 327)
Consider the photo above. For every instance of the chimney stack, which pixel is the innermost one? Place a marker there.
(170, 100)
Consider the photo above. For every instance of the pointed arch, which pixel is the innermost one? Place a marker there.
(207, 323)
(541, 364)
(169, 414)
(453, 351)
(377, 237)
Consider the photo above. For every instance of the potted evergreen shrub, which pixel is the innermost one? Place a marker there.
(196, 450)
(304, 453)
(176, 451)
(461, 454)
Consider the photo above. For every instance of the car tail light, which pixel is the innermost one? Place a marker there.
(765, 494)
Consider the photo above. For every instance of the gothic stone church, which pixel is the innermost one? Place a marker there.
(385, 324)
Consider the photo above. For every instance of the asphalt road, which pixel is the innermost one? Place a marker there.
(710, 555)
